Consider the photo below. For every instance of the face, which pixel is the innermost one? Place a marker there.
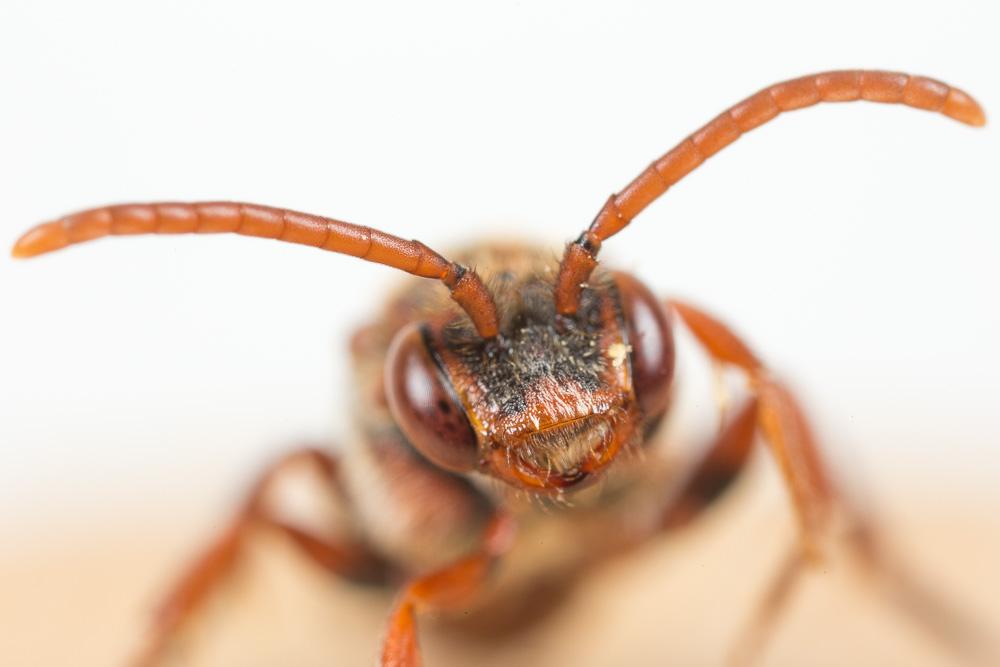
(553, 401)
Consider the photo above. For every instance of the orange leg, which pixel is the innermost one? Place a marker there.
(779, 418)
(761, 624)
(782, 422)
(724, 459)
(202, 577)
(722, 464)
(446, 588)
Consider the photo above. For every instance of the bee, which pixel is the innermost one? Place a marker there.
(487, 417)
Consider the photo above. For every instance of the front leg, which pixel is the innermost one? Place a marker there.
(816, 499)
(445, 588)
(203, 576)
(779, 418)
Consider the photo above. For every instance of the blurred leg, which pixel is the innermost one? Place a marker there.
(445, 588)
(782, 421)
(209, 569)
(722, 463)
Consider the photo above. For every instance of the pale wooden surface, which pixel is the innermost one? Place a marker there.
(679, 601)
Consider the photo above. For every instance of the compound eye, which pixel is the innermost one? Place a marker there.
(424, 404)
(652, 341)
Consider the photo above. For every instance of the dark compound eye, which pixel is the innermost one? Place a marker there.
(651, 339)
(424, 404)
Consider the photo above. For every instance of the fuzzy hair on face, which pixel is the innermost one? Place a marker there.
(537, 346)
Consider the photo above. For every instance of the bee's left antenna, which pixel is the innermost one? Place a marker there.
(466, 287)
(918, 92)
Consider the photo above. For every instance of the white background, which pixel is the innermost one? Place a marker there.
(855, 245)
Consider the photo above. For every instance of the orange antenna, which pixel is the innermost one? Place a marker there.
(887, 87)
(274, 223)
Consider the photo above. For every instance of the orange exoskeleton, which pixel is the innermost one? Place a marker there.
(535, 382)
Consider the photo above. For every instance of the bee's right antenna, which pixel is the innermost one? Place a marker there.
(888, 87)
(466, 287)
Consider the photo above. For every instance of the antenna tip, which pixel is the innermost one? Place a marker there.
(963, 108)
(39, 240)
